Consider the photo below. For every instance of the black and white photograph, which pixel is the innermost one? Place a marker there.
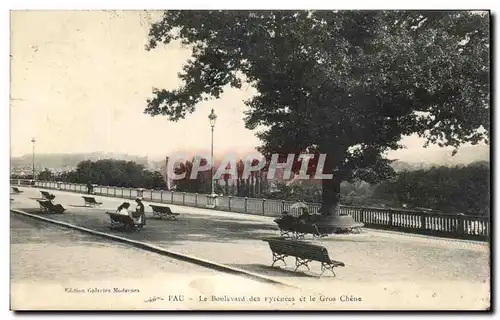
(233, 160)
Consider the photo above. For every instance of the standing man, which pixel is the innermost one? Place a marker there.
(90, 187)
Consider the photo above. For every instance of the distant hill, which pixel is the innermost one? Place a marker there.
(59, 161)
(409, 159)
(442, 156)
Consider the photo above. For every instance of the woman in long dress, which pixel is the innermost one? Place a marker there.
(139, 215)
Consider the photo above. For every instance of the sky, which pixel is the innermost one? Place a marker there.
(80, 80)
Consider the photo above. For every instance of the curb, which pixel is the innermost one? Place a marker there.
(160, 250)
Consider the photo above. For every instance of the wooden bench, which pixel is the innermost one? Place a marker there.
(47, 196)
(303, 252)
(120, 220)
(296, 229)
(16, 190)
(163, 211)
(48, 207)
(91, 201)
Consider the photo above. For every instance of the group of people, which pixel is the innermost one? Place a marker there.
(305, 216)
(137, 216)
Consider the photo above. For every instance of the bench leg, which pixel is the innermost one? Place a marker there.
(278, 257)
(157, 214)
(325, 266)
(285, 233)
(301, 262)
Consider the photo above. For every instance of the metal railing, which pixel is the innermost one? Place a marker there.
(446, 225)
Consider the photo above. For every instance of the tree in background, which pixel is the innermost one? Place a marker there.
(45, 175)
(463, 189)
(349, 84)
(118, 173)
(201, 184)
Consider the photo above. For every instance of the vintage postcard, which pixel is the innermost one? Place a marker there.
(250, 160)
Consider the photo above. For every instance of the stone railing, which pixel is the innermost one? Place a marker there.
(445, 225)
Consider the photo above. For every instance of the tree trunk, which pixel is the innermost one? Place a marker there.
(330, 204)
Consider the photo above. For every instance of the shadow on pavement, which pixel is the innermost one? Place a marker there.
(276, 271)
(188, 227)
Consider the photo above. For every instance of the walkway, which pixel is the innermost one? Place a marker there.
(387, 270)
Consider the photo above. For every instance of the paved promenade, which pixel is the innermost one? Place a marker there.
(389, 270)
(58, 268)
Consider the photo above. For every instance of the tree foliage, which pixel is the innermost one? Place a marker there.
(349, 84)
(463, 189)
(45, 175)
(118, 173)
(201, 184)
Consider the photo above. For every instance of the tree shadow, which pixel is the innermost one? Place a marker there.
(345, 238)
(187, 227)
(275, 271)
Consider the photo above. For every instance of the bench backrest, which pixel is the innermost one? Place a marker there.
(160, 209)
(285, 222)
(46, 203)
(300, 249)
(306, 228)
(118, 216)
(46, 194)
(296, 225)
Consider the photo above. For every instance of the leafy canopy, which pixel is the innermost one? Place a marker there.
(347, 83)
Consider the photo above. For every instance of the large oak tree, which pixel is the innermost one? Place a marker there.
(349, 84)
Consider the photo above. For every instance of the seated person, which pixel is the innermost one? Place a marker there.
(305, 216)
(123, 210)
(285, 217)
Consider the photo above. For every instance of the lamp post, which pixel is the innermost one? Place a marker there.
(33, 142)
(212, 117)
